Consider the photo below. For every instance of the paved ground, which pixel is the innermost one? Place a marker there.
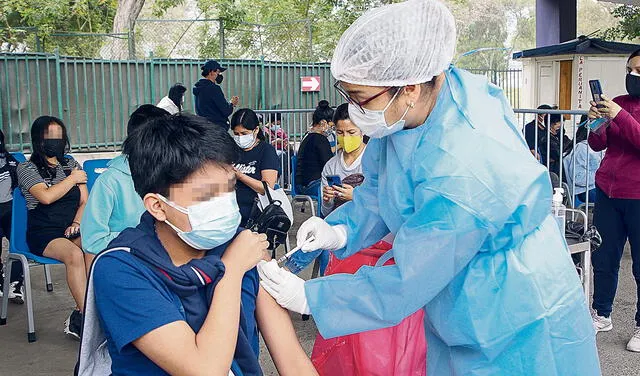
(54, 354)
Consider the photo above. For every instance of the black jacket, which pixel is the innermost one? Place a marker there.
(211, 103)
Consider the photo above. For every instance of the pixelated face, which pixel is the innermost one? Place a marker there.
(210, 181)
(53, 132)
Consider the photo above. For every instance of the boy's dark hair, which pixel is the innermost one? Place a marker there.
(166, 150)
(38, 128)
(176, 92)
(248, 119)
(322, 112)
(142, 114)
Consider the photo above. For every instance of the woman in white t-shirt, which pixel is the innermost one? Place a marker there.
(346, 165)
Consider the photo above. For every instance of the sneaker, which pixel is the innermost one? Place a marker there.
(73, 325)
(634, 342)
(601, 323)
(16, 293)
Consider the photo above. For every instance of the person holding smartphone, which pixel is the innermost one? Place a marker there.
(617, 209)
(340, 175)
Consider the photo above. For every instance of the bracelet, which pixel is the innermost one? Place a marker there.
(75, 223)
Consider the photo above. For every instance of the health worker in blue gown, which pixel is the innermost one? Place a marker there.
(448, 172)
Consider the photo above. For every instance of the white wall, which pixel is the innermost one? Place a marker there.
(610, 70)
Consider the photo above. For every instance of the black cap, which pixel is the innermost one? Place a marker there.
(213, 65)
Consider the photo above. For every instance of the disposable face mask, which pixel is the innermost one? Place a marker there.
(213, 222)
(373, 123)
(349, 143)
(245, 141)
(633, 84)
(54, 147)
(275, 127)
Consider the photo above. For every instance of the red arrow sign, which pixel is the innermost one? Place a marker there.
(310, 83)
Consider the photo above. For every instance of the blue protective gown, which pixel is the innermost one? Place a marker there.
(475, 246)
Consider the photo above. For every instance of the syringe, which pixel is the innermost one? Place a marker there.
(296, 249)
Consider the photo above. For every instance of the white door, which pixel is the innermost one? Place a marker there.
(547, 83)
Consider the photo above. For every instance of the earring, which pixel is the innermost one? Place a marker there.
(412, 105)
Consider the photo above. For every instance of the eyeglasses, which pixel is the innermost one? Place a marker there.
(354, 102)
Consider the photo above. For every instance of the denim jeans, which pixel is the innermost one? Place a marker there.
(617, 220)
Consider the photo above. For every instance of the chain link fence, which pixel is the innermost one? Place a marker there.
(109, 46)
(206, 38)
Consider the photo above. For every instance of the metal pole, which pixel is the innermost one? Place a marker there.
(263, 89)
(310, 28)
(132, 44)
(221, 33)
(152, 84)
(58, 83)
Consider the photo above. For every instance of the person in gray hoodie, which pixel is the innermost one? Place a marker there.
(113, 204)
(209, 98)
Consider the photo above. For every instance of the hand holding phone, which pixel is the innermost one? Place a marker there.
(334, 180)
(596, 92)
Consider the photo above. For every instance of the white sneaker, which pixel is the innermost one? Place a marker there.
(600, 323)
(16, 293)
(634, 342)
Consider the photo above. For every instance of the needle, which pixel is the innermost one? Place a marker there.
(296, 249)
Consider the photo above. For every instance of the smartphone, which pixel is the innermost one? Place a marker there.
(73, 236)
(596, 91)
(334, 180)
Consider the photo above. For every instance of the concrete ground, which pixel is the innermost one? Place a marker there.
(55, 355)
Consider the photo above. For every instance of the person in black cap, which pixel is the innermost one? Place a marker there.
(209, 98)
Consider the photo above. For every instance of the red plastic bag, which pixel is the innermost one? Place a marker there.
(400, 350)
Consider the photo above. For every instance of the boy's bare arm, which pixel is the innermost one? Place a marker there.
(279, 335)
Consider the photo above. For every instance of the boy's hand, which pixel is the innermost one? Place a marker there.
(246, 250)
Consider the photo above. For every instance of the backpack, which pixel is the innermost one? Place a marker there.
(271, 220)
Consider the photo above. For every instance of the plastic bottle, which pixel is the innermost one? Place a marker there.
(558, 210)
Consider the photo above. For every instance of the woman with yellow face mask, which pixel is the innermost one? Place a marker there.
(340, 175)
(346, 164)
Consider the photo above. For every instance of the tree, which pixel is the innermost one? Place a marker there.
(628, 27)
(25, 24)
(123, 23)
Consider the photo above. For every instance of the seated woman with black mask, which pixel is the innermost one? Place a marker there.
(55, 189)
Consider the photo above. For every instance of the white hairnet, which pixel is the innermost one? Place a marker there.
(396, 45)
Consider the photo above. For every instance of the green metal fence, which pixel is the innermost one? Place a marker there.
(94, 97)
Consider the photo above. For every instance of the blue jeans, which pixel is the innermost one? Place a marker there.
(300, 260)
(617, 220)
(583, 197)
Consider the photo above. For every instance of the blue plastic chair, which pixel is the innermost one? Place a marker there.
(19, 156)
(93, 168)
(303, 198)
(19, 251)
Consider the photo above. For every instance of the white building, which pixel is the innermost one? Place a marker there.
(559, 75)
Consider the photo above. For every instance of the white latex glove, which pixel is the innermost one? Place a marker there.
(328, 237)
(285, 287)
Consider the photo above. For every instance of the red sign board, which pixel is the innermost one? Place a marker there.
(310, 83)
